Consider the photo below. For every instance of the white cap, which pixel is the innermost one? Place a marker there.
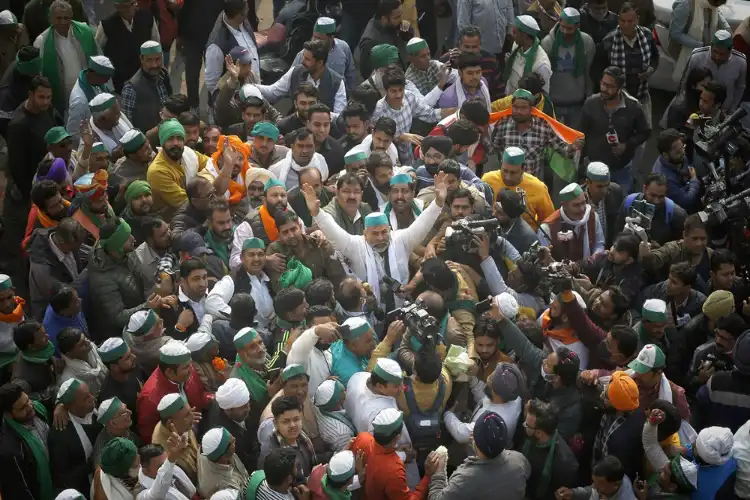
(174, 352)
(8, 18)
(215, 443)
(324, 392)
(170, 404)
(129, 136)
(527, 24)
(198, 341)
(70, 493)
(387, 421)
(103, 61)
(341, 466)
(389, 370)
(112, 349)
(232, 394)
(67, 391)
(597, 171)
(101, 99)
(507, 304)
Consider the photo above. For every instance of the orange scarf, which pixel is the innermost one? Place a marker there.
(237, 190)
(268, 224)
(565, 335)
(566, 134)
(17, 315)
(45, 220)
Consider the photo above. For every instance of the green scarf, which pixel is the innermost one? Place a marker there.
(220, 249)
(297, 275)
(546, 475)
(530, 56)
(43, 476)
(96, 219)
(256, 479)
(288, 325)
(82, 32)
(334, 494)
(39, 357)
(414, 208)
(254, 382)
(453, 303)
(90, 91)
(580, 56)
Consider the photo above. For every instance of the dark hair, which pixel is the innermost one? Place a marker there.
(218, 205)
(531, 81)
(394, 77)
(733, 324)
(43, 191)
(150, 452)
(463, 132)
(234, 7)
(39, 81)
(287, 300)
(67, 339)
(109, 227)
(693, 222)
(695, 75)
(620, 301)
(385, 124)
(28, 53)
(427, 365)
(657, 179)
(210, 127)
(666, 138)
(318, 49)
(61, 296)
(306, 89)
(567, 366)
(617, 74)
(68, 230)
(470, 31)
(192, 187)
(319, 292)
(188, 119)
(23, 333)
(450, 166)
(459, 193)
(437, 275)
(367, 95)
(610, 468)
(190, 265)
(376, 379)
(283, 217)
(546, 415)
(283, 404)
(627, 7)
(150, 224)
(349, 178)
(487, 327)
(251, 102)
(346, 297)
(672, 419)
(243, 311)
(626, 340)
(318, 107)
(355, 109)
(684, 272)
(385, 7)
(177, 104)
(475, 111)
(719, 90)
(9, 394)
(299, 135)
(378, 159)
(468, 61)
(721, 257)
(627, 242)
(279, 465)
(318, 312)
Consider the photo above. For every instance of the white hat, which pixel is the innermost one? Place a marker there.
(507, 304)
(389, 370)
(174, 352)
(170, 404)
(70, 493)
(198, 341)
(248, 90)
(597, 171)
(341, 466)
(67, 391)
(387, 421)
(654, 310)
(227, 494)
(232, 394)
(107, 410)
(101, 102)
(328, 394)
(527, 24)
(141, 322)
(215, 443)
(714, 445)
(357, 326)
(150, 47)
(112, 349)
(7, 18)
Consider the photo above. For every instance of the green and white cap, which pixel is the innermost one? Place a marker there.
(525, 95)
(67, 391)
(174, 352)
(597, 171)
(325, 25)
(570, 15)
(198, 341)
(98, 147)
(150, 48)
(102, 102)
(416, 45)
(215, 443)
(70, 494)
(527, 24)
(328, 394)
(651, 357)
(141, 323)
(722, 38)
(654, 310)
(354, 155)
(253, 243)
(171, 404)
(389, 370)
(107, 410)
(247, 91)
(291, 371)
(570, 192)
(7, 18)
(112, 349)
(5, 282)
(356, 326)
(514, 155)
(387, 421)
(401, 179)
(376, 219)
(101, 65)
(244, 337)
(341, 467)
(132, 140)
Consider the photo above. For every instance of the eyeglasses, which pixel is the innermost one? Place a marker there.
(210, 196)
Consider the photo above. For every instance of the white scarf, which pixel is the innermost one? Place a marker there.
(695, 30)
(281, 168)
(178, 475)
(395, 256)
(92, 371)
(392, 152)
(123, 126)
(382, 198)
(394, 220)
(88, 448)
(461, 95)
(578, 223)
(114, 489)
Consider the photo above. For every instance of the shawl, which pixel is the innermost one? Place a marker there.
(92, 371)
(220, 249)
(546, 474)
(114, 488)
(416, 208)
(17, 315)
(580, 223)
(86, 443)
(529, 58)
(38, 451)
(213, 476)
(40, 357)
(461, 95)
(90, 91)
(122, 127)
(282, 167)
(83, 34)
(254, 382)
(268, 223)
(617, 55)
(44, 219)
(580, 56)
(237, 189)
(332, 493)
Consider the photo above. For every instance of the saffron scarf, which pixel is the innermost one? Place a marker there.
(268, 224)
(17, 315)
(580, 56)
(529, 57)
(39, 357)
(332, 493)
(43, 475)
(237, 190)
(82, 32)
(565, 335)
(254, 382)
(45, 220)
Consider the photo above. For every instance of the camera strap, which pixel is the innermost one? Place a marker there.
(390, 300)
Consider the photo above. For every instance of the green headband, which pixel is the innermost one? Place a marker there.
(136, 189)
(273, 183)
(134, 144)
(338, 390)
(176, 405)
(114, 354)
(253, 243)
(106, 416)
(147, 325)
(325, 25)
(292, 371)
(69, 395)
(6, 284)
(117, 240)
(30, 68)
(150, 48)
(244, 337)
(376, 219)
(353, 157)
(414, 47)
(221, 449)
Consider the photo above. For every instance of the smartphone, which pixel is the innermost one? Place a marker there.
(273, 373)
(483, 306)
(391, 283)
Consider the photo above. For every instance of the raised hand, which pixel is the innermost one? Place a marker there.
(311, 198)
(441, 189)
(232, 68)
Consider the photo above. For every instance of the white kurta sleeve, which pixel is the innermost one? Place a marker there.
(415, 234)
(339, 101)
(217, 302)
(162, 483)
(299, 354)
(460, 431)
(278, 89)
(241, 233)
(340, 239)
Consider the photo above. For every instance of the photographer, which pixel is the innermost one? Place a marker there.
(724, 277)
(683, 185)
(715, 356)
(461, 205)
(604, 196)
(668, 218)
(692, 248)
(677, 291)
(509, 208)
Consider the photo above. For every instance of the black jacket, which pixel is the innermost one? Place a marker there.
(18, 480)
(247, 445)
(14, 89)
(376, 34)
(68, 463)
(612, 204)
(187, 217)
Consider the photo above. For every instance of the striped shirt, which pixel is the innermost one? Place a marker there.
(335, 434)
(266, 493)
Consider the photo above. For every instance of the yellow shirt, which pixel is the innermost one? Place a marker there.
(168, 185)
(504, 103)
(538, 202)
(425, 394)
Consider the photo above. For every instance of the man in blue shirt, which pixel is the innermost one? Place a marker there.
(340, 57)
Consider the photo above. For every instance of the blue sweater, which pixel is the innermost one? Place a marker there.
(711, 477)
(684, 194)
(54, 323)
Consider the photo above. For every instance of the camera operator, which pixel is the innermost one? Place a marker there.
(683, 186)
(452, 170)
(509, 208)
(715, 356)
(574, 228)
(723, 276)
(450, 331)
(605, 196)
(460, 204)
(668, 218)
(683, 302)
(712, 98)
(692, 248)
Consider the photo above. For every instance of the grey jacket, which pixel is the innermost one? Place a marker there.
(565, 88)
(479, 478)
(589, 493)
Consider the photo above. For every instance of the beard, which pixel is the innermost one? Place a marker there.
(381, 247)
(174, 153)
(57, 217)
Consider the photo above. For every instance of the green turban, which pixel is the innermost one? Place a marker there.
(383, 55)
(117, 457)
(170, 128)
(136, 189)
(297, 275)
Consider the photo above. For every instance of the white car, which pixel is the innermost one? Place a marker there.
(735, 11)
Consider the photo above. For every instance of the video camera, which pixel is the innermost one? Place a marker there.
(731, 208)
(719, 142)
(418, 321)
(546, 279)
(459, 236)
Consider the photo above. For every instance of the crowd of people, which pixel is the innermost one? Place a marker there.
(351, 300)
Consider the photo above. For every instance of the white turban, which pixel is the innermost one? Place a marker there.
(232, 394)
(507, 304)
(714, 445)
